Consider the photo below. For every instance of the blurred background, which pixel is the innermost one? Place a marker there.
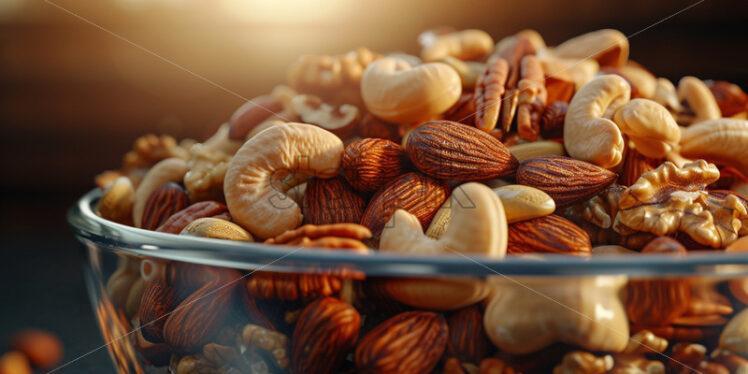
(81, 80)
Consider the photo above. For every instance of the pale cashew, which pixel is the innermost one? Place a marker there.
(699, 98)
(471, 203)
(649, 126)
(734, 337)
(465, 45)
(607, 46)
(526, 151)
(581, 71)
(255, 194)
(642, 79)
(589, 134)
(469, 71)
(666, 95)
(396, 92)
(723, 140)
(169, 170)
(220, 141)
(581, 311)
(216, 228)
(524, 202)
(477, 226)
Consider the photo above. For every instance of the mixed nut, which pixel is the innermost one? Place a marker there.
(472, 148)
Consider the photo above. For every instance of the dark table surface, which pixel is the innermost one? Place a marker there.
(41, 279)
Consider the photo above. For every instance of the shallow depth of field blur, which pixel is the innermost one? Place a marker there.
(80, 80)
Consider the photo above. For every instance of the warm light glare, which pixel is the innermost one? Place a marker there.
(283, 11)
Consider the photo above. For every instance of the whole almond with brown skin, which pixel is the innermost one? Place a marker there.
(198, 318)
(158, 300)
(372, 127)
(42, 348)
(548, 234)
(325, 331)
(451, 150)
(179, 220)
(164, 201)
(730, 97)
(634, 165)
(370, 163)
(565, 179)
(467, 338)
(331, 201)
(414, 192)
(410, 342)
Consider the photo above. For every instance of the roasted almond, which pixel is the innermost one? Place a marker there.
(410, 342)
(164, 201)
(634, 165)
(369, 164)
(179, 220)
(414, 192)
(251, 114)
(548, 234)
(158, 300)
(450, 150)
(467, 338)
(730, 97)
(325, 331)
(565, 179)
(331, 201)
(372, 127)
(552, 120)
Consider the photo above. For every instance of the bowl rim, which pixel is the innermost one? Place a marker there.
(94, 231)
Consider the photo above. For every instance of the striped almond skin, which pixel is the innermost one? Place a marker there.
(179, 220)
(657, 302)
(370, 163)
(451, 150)
(328, 201)
(164, 201)
(158, 300)
(467, 338)
(565, 179)
(416, 193)
(548, 234)
(410, 342)
(326, 330)
(199, 317)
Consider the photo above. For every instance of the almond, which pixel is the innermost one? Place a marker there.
(326, 330)
(179, 220)
(331, 200)
(369, 164)
(198, 318)
(450, 150)
(730, 97)
(410, 342)
(251, 114)
(416, 193)
(372, 127)
(634, 165)
(548, 234)
(565, 179)
(158, 300)
(164, 201)
(552, 120)
(467, 338)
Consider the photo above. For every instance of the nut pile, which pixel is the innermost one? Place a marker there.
(473, 147)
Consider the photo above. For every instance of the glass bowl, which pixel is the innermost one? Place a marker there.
(169, 303)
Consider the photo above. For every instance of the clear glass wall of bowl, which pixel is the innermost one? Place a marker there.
(165, 303)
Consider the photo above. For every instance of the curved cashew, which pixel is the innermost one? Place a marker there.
(581, 71)
(168, 170)
(642, 79)
(255, 196)
(723, 141)
(607, 46)
(396, 92)
(477, 225)
(435, 293)
(221, 141)
(650, 126)
(465, 45)
(699, 98)
(589, 134)
(666, 95)
(583, 311)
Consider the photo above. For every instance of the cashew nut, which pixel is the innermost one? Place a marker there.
(581, 71)
(115, 203)
(255, 194)
(471, 203)
(168, 170)
(525, 314)
(649, 126)
(589, 134)
(524, 202)
(666, 95)
(734, 336)
(607, 46)
(464, 45)
(699, 98)
(723, 141)
(396, 92)
(642, 79)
